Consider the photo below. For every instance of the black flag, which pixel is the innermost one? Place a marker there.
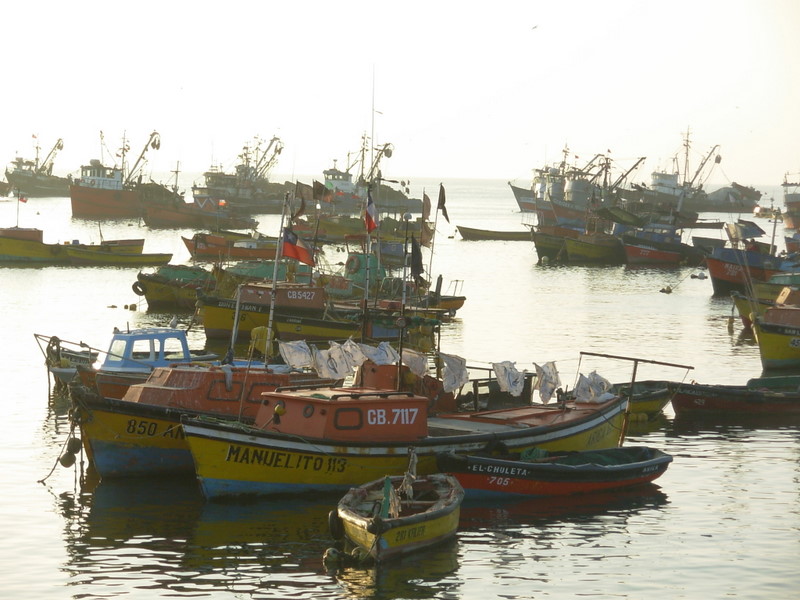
(416, 261)
(441, 203)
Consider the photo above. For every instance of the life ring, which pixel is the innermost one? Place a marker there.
(353, 265)
(335, 525)
(138, 288)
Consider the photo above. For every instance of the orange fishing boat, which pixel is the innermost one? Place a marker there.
(211, 247)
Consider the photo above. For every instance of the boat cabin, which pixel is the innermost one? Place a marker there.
(97, 175)
(345, 414)
(140, 350)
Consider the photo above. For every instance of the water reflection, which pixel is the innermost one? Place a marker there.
(432, 573)
(161, 533)
(160, 536)
(543, 512)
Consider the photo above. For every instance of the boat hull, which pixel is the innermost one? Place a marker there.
(232, 461)
(578, 473)
(606, 250)
(31, 251)
(472, 234)
(524, 197)
(730, 269)
(36, 185)
(778, 344)
(89, 257)
(141, 433)
(419, 524)
(104, 203)
(644, 255)
(174, 286)
(732, 401)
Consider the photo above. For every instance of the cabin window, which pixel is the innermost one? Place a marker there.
(142, 350)
(116, 351)
(172, 348)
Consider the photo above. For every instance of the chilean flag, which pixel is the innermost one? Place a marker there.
(371, 214)
(294, 247)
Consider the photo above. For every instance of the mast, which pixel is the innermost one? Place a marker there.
(154, 141)
(278, 253)
(47, 164)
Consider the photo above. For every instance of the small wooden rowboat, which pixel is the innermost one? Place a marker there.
(472, 234)
(540, 473)
(759, 397)
(393, 516)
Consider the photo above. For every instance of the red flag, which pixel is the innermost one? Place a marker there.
(294, 247)
(371, 218)
(426, 207)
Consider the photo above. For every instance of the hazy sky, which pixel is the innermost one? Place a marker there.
(482, 89)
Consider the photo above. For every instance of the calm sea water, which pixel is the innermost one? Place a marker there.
(723, 522)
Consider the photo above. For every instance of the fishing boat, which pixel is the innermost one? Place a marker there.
(524, 198)
(63, 363)
(777, 332)
(173, 286)
(229, 277)
(595, 248)
(35, 179)
(193, 216)
(252, 303)
(117, 192)
(549, 241)
(248, 189)
(764, 294)
(215, 247)
(133, 354)
(472, 234)
(677, 188)
(647, 397)
(332, 438)
(639, 254)
(539, 473)
(140, 432)
(27, 246)
(747, 260)
(395, 516)
(85, 256)
(348, 196)
(774, 396)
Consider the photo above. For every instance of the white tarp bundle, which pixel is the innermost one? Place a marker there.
(455, 372)
(338, 360)
(296, 354)
(384, 354)
(547, 380)
(355, 356)
(331, 363)
(416, 362)
(509, 378)
(594, 388)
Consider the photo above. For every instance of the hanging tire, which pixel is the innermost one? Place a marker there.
(335, 525)
(353, 265)
(138, 288)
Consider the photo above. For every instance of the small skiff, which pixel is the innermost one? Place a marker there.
(394, 516)
(539, 473)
